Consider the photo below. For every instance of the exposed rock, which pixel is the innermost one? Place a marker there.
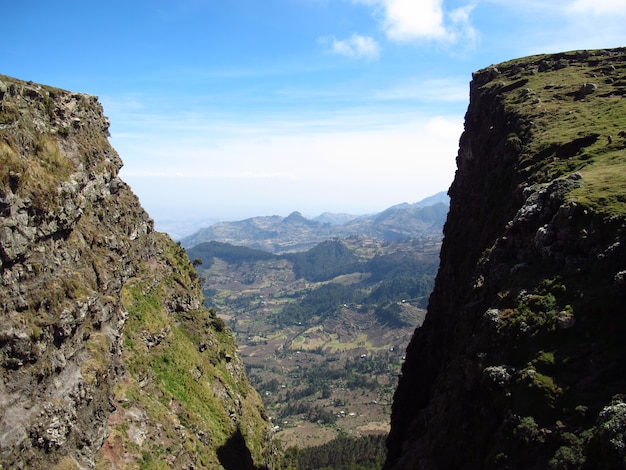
(587, 89)
(520, 360)
(87, 288)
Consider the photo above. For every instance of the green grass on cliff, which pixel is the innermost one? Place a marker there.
(183, 370)
(575, 114)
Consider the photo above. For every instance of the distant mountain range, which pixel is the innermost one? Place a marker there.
(278, 234)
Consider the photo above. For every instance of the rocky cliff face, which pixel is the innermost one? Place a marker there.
(520, 361)
(107, 357)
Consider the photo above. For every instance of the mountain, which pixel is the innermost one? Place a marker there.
(296, 233)
(440, 197)
(520, 360)
(107, 357)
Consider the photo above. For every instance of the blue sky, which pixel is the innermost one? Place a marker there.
(227, 109)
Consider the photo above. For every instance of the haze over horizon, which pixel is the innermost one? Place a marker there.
(234, 109)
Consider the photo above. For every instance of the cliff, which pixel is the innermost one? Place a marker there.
(107, 357)
(520, 360)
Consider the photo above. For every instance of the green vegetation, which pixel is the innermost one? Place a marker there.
(323, 262)
(206, 252)
(9, 113)
(316, 303)
(324, 381)
(556, 314)
(381, 280)
(548, 333)
(185, 359)
(38, 177)
(414, 287)
(587, 101)
(391, 314)
(323, 354)
(345, 453)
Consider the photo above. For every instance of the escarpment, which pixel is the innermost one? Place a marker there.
(520, 360)
(107, 357)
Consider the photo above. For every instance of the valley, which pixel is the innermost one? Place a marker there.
(322, 333)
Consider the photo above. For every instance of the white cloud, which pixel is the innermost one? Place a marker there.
(461, 27)
(357, 46)
(407, 20)
(412, 20)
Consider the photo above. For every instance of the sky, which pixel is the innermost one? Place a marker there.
(228, 109)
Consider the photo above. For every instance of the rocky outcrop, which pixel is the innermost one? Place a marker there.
(105, 348)
(520, 360)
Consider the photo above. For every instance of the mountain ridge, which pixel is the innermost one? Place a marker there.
(278, 234)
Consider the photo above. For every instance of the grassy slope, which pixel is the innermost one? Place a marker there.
(558, 114)
(184, 373)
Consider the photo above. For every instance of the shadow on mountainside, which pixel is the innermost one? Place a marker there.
(234, 455)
